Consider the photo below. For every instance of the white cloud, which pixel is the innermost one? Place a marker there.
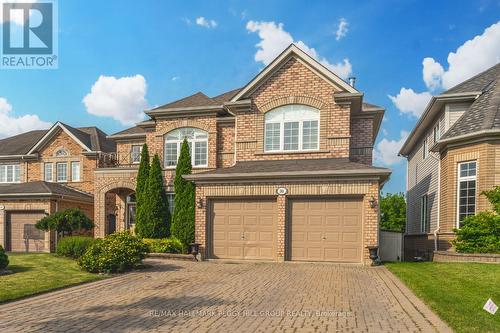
(274, 39)
(386, 151)
(341, 29)
(411, 102)
(175, 78)
(206, 22)
(122, 99)
(16, 16)
(10, 125)
(472, 57)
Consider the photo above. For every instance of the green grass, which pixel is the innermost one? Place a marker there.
(455, 291)
(37, 273)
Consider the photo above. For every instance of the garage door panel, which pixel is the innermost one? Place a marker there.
(24, 237)
(326, 229)
(252, 233)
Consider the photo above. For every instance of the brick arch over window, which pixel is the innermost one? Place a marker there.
(286, 100)
(185, 123)
(274, 103)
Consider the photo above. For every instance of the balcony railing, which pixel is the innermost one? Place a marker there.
(118, 160)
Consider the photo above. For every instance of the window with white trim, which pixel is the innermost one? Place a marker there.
(171, 202)
(10, 173)
(135, 154)
(425, 148)
(293, 127)
(75, 171)
(62, 172)
(436, 133)
(424, 213)
(198, 146)
(467, 181)
(48, 172)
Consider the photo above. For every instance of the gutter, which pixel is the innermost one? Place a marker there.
(469, 136)
(126, 136)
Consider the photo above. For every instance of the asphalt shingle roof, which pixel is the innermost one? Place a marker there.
(131, 130)
(92, 137)
(44, 189)
(484, 112)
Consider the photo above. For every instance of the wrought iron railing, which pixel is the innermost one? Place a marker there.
(118, 160)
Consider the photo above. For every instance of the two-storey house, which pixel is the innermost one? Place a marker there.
(453, 155)
(42, 172)
(282, 167)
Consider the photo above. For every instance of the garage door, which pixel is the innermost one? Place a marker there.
(22, 236)
(326, 230)
(244, 229)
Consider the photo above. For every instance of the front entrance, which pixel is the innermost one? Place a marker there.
(22, 236)
(326, 229)
(244, 229)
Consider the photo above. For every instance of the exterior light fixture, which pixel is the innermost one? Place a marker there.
(372, 202)
(199, 203)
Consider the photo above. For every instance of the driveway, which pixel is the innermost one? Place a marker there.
(180, 296)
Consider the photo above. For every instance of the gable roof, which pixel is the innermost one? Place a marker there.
(131, 132)
(92, 139)
(293, 51)
(198, 99)
(483, 91)
(43, 189)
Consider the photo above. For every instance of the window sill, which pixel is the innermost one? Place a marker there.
(293, 152)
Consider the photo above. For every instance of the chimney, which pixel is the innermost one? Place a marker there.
(352, 81)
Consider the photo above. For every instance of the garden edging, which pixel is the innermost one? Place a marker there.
(447, 256)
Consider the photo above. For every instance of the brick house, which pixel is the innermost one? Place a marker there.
(42, 172)
(453, 155)
(282, 167)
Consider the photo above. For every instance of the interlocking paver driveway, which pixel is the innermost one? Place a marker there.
(179, 296)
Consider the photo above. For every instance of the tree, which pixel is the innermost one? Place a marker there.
(156, 222)
(65, 222)
(393, 212)
(140, 189)
(184, 200)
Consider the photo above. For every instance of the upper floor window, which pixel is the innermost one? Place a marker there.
(10, 173)
(75, 171)
(135, 154)
(292, 127)
(198, 146)
(48, 172)
(425, 148)
(62, 172)
(436, 133)
(61, 152)
(467, 177)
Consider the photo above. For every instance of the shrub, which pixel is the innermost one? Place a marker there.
(140, 191)
(479, 234)
(164, 245)
(183, 218)
(4, 259)
(74, 246)
(66, 222)
(117, 252)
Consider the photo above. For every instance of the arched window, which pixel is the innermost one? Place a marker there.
(61, 152)
(198, 145)
(293, 127)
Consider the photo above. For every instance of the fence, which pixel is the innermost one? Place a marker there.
(390, 245)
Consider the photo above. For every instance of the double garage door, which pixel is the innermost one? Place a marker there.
(319, 229)
(22, 236)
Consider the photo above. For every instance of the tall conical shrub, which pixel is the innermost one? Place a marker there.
(184, 200)
(140, 189)
(157, 215)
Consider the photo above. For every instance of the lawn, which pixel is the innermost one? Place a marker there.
(455, 291)
(36, 273)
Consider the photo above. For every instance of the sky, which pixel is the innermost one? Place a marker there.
(119, 57)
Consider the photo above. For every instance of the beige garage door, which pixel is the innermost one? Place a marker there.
(326, 230)
(22, 236)
(244, 229)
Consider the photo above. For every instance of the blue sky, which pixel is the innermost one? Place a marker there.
(144, 53)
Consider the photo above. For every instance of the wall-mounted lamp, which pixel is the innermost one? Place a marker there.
(372, 202)
(199, 203)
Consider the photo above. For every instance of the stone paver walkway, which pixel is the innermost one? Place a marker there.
(178, 296)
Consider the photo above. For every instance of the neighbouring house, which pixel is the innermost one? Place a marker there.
(453, 155)
(42, 172)
(282, 167)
